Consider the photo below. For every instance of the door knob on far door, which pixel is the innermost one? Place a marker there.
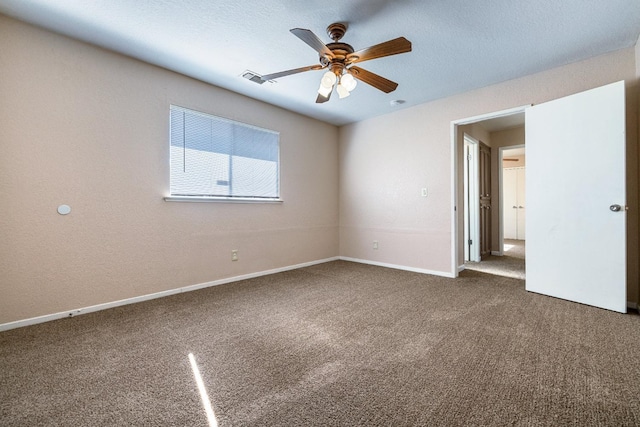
(515, 207)
(520, 207)
(615, 208)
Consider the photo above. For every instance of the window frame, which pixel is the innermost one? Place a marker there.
(225, 199)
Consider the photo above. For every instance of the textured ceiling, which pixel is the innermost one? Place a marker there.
(458, 45)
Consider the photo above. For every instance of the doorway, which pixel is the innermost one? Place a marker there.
(468, 137)
(477, 200)
(574, 208)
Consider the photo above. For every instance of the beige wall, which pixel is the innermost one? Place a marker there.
(89, 128)
(476, 131)
(385, 160)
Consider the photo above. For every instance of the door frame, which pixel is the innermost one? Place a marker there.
(457, 264)
(472, 197)
(501, 151)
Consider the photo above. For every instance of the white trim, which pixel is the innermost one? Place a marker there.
(500, 202)
(494, 115)
(203, 199)
(454, 169)
(471, 188)
(454, 193)
(497, 253)
(399, 267)
(141, 298)
(76, 312)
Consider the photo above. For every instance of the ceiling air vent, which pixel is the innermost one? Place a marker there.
(254, 77)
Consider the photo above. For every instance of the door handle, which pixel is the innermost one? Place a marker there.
(615, 208)
(515, 207)
(520, 207)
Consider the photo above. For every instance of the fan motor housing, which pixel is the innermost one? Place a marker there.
(339, 47)
(336, 31)
(340, 53)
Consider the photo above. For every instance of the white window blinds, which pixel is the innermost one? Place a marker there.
(215, 157)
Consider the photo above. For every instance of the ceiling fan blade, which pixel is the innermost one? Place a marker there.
(273, 76)
(322, 99)
(373, 79)
(312, 40)
(391, 47)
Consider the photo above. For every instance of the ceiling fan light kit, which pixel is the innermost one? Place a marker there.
(339, 58)
(324, 90)
(342, 91)
(348, 82)
(329, 79)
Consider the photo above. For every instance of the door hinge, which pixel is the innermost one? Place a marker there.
(470, 242)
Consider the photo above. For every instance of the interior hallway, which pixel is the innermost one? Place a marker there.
(511, 264)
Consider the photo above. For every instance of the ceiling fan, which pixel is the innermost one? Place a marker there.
(339, 58)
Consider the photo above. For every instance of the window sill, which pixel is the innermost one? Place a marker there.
(219, 199)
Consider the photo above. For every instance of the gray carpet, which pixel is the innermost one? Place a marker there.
(510, 264)
(337, 344)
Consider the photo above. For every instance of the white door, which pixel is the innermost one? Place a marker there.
(576, 248)
(510, 203)
(520, 199)
(513, 203)
(471, 200)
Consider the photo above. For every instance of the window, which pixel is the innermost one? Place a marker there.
(216, 158)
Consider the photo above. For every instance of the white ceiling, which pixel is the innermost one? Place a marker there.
(458, 45)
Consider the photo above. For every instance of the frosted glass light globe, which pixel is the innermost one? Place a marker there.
(342, 91)
(348, 82)
(328, 79)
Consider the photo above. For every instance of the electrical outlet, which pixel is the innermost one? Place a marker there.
(234, 255)
(375, 244)
(424, 192)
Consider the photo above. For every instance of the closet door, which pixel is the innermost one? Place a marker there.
(510, 203)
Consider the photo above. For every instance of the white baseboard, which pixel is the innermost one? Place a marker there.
(105, 306)
(461, 268)
(496, 253)
(399, 267)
